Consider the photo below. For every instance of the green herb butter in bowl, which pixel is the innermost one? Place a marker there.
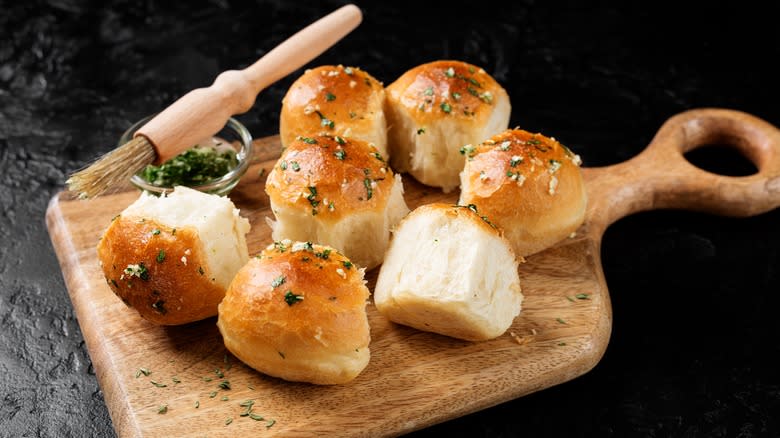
(213, 165)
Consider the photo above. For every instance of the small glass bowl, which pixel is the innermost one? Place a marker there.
(233, 133)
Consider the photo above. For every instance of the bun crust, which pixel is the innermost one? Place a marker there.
(336, 191)
(298, 312)
(529, 185)
(433, 110)
(172, 261)
(143, 263)
(350, 98)
(449, 271)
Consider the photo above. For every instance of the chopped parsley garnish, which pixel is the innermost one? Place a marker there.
(421, 131)
(369, 189)
(295, 166)
(324, 121)
(195, 166)
(303, 246)
(472, 80)
(162, 409)
(161, 256)
(308, 140)
(472, 70)
(278, 281)
(323, 255)
(248, 405)
(473, 91)
(467, 150)
(155, 231)
(450, 72)
(339, 140)
(378, 156)
(330, 97)
(473, 207)
(290, 298)
(560, 320)
(280, 246)
(255, 416)
(340, 154)
(486, 97)
(582, 296)
(515, 160)
(283, 165)
(348, 70)
(347, 264)
(228, 420)
(445, 107)
(312, 198)
(456, 96)
(428, 91)
(138, 270)
(144, 371)
(158, 384)
(225, 384)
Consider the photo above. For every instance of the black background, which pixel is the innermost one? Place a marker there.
(695, 346)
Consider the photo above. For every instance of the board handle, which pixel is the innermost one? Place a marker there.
(660, 177)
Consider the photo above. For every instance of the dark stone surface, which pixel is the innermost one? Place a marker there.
(694, 350)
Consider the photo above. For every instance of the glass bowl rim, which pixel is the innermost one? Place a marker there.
(243, 156)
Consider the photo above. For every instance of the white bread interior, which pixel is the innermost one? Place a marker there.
(450, 275)
(220, 227)
(362, 235)
(434, 158)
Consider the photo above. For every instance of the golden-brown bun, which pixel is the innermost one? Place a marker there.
(436, 108)
(335, 100)
(449, 271)
(529, 185)
(172, 258)
(336, 191)
(298, 312)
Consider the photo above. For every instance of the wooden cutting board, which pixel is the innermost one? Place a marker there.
(414, 379)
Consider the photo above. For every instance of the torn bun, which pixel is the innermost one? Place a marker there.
(436, 108)
(171, 258)
(336, 191)
(449, 271)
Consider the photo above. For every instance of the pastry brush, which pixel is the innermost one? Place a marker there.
(204, 111)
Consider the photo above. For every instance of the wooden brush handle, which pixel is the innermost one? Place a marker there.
(661, 178)
(204, 111)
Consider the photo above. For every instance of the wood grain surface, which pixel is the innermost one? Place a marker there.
(414, 379)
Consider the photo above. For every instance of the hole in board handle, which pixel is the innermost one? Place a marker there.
(721, 159)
